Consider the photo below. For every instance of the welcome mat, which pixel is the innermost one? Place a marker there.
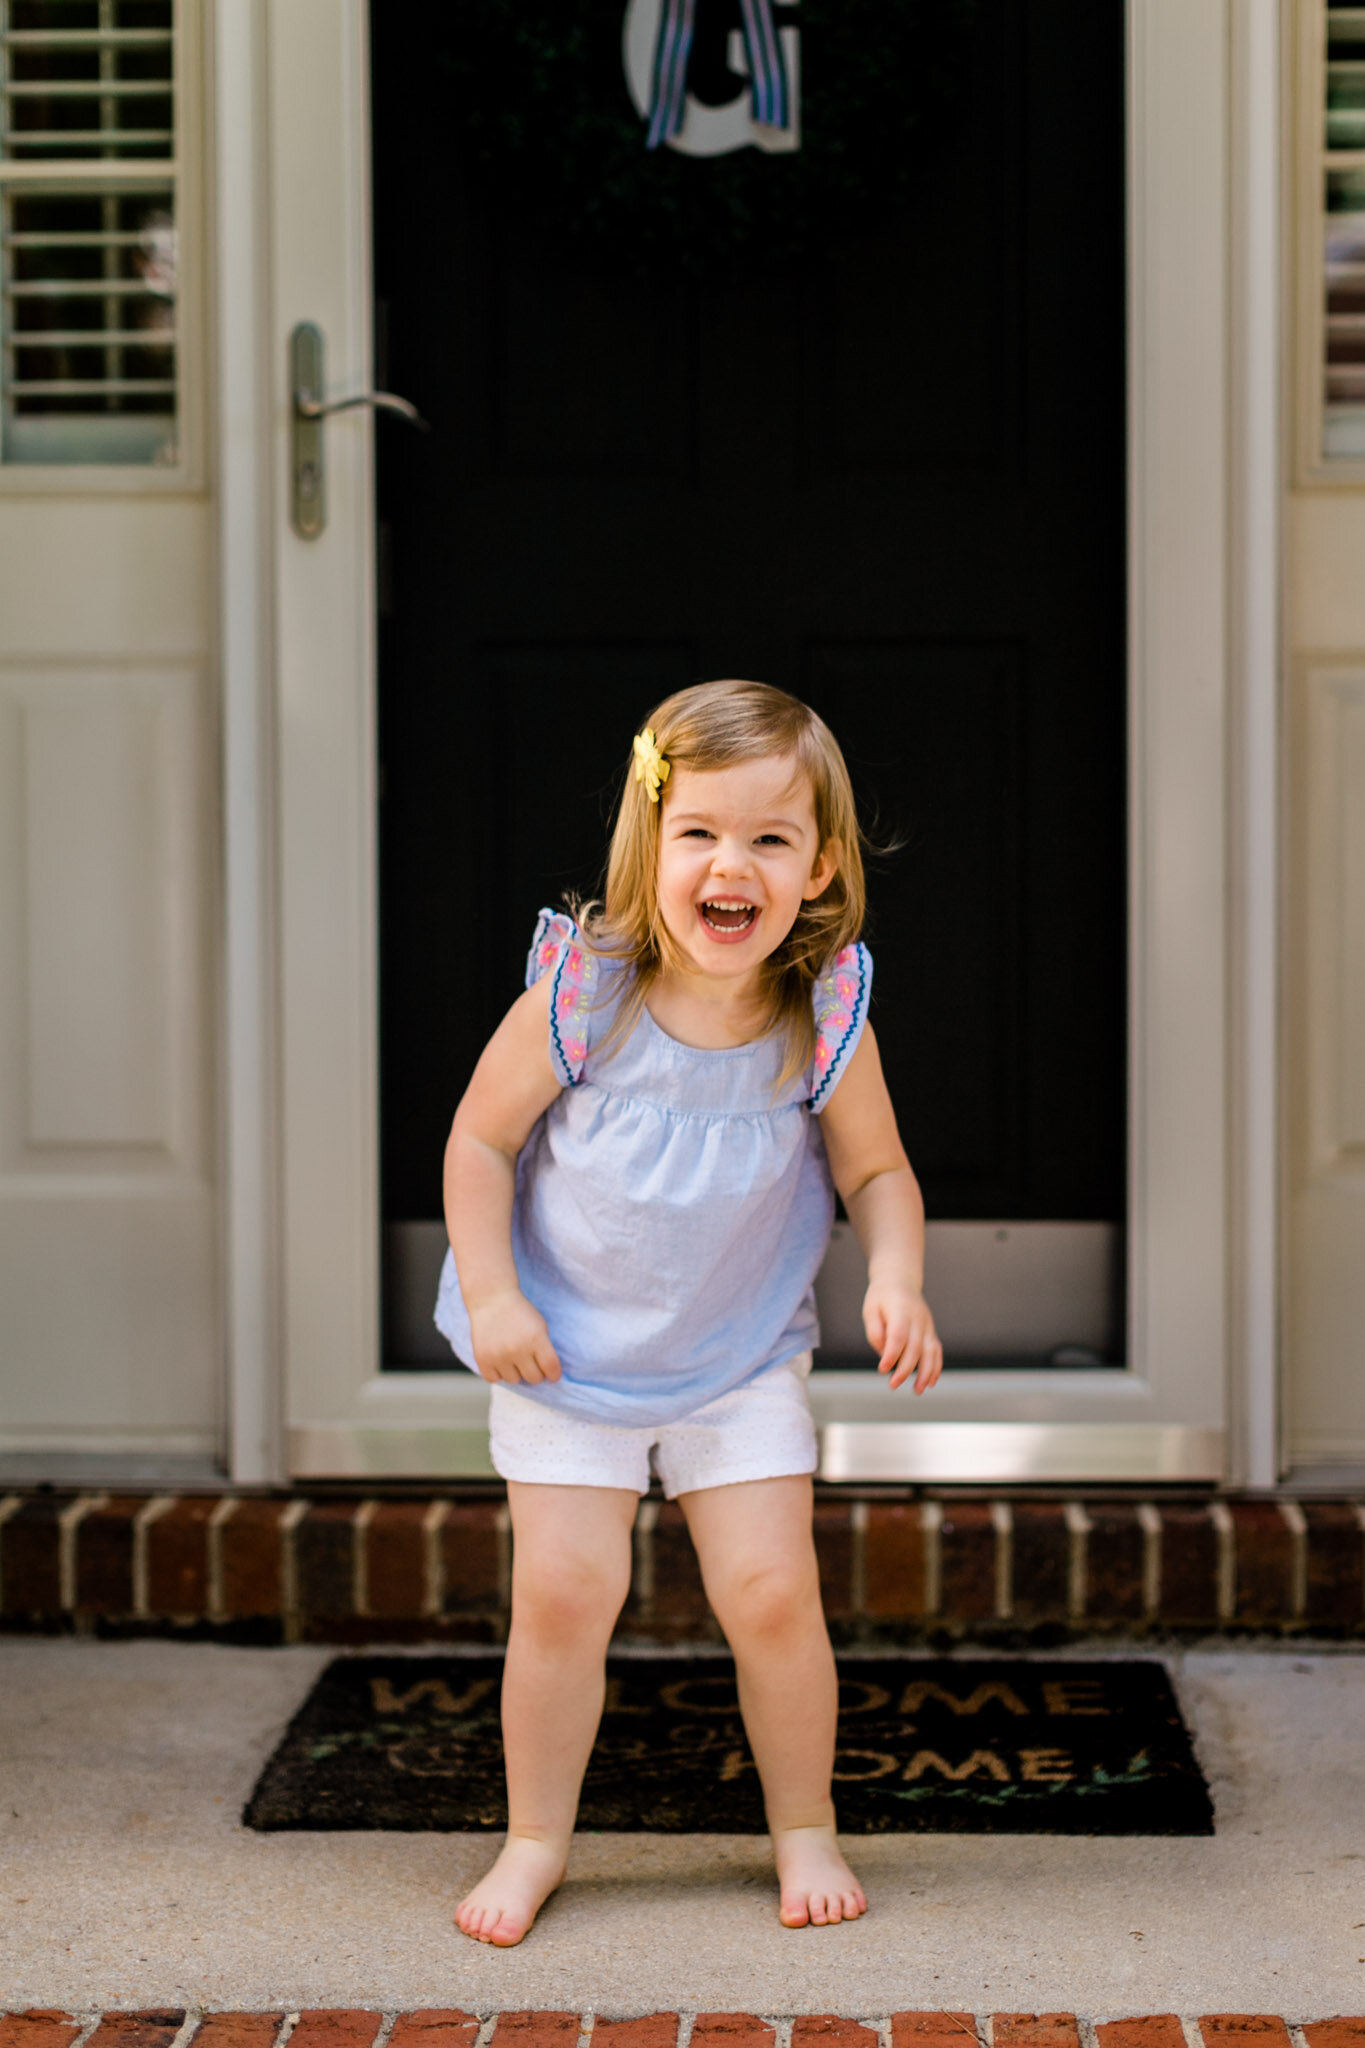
(939, 1745)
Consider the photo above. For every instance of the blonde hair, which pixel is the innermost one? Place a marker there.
(717, 725)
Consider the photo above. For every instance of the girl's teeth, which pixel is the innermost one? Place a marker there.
(728, 915)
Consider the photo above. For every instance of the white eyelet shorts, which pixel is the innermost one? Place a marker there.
(762, 1430)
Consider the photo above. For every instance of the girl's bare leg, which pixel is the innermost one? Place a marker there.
(756, 1546)
(570, 1577)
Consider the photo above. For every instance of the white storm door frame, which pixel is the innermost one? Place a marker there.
(299, 677)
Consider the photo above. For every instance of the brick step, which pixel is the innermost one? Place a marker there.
(455, 2029)
(290, 1567)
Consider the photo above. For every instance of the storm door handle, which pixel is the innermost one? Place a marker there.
(308, 476)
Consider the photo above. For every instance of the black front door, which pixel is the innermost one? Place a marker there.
(874, 455)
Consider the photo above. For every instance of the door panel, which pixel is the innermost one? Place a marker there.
(108, 1226)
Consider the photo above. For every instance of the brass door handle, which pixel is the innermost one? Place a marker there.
(308, 497)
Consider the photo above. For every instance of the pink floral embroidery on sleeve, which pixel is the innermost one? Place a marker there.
(571, 1004)
(839, 998)
(556, 949)
(554, 927)
(569, 1010)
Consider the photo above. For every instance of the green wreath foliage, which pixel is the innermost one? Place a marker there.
(544, 124)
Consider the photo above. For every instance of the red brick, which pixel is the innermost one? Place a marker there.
(931, 2029)
(1114, 1556)
(104, 1556)
(1222, 2029)
(967, 1561)
(1035, 2030)
(469, 1553)
(178, 1564)
(1336, 1552)
(731, 2030)
(325, 1544)
(237, 2029)
(1189, 1566)
(253, 1559)
(1152, 2030)
(434, 2029)
(1338, 2033)
(536, 2030)
(834, 1554)
(335, 2029)
(395, 1558)
(824, 2030)
(1041, 1551)
(657, 2030)
(30, 1558)
(893, 1561)
(137, 2030)
(44, 2029)
(1265, 1562)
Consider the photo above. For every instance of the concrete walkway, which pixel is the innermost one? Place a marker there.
(127, 1880)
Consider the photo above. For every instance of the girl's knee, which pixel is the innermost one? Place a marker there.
(567, 1596)
(770, 1598)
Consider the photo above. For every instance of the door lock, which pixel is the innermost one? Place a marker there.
(308, 501)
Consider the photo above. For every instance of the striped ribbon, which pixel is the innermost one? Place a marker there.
(767, 72)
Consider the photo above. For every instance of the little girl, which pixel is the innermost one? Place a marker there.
(639, 1187)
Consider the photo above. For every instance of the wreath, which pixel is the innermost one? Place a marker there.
(545, 127)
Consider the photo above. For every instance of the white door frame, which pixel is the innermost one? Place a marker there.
(292, 155)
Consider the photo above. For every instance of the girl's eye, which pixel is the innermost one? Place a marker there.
(696, 832)
(771, 839)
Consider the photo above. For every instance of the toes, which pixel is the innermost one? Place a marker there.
(854, 1903)
(795, 1912)
(506, 1933)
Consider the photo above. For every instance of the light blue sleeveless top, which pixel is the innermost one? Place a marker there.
(671, 1208)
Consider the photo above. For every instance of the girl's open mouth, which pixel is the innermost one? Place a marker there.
(728, 917)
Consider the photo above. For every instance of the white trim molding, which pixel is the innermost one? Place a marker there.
(1178, 554)
(244, 437)
(1256, 826)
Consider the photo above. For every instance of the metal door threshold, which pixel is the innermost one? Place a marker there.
(909, 1451)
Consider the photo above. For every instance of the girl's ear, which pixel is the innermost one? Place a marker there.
(824, 871)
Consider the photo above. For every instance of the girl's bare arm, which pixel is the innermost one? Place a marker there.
(512, 1086)
(886, 1209)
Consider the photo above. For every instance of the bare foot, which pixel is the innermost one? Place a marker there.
(818, 1888)
(503, 1904)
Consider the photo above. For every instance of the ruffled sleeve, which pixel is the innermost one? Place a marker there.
(557, 950)
(840, 998)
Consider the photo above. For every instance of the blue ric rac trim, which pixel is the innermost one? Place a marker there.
(556, 1042)
(855, 1025)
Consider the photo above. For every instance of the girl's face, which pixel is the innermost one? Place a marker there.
(738, 855)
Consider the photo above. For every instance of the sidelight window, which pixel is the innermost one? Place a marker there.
(1343, 143)
(91, 201)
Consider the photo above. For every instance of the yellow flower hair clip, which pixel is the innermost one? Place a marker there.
(650, 765)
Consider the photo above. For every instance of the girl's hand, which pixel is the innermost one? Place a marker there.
(511, 1341)
(900, 1327)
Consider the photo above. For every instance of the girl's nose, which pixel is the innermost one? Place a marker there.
(731, 857)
